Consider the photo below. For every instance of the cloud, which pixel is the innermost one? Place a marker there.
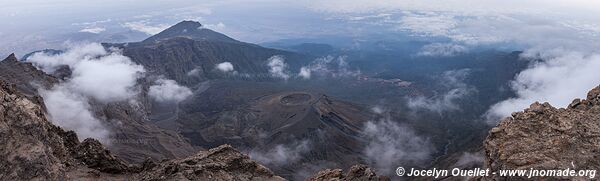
(470, 160)
(391, 144)
(557, 80)
(95, 30)
(442, 50)
(166, 90)
(305, 72)
(377, 109)
(566, 7)
(447, 101)
(278, 67)
(217, 27)
(195, 72)
(225, 67)
(96, 74)
(282, 154)
(72, 112)
(328, 66)
(143, 26)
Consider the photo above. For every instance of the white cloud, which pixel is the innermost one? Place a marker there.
(217, 27)
(442, 50)
(470, 160)
(195, 72)
(225, 67)
(566, 7)
(144, 27)
(304, 73)
(447, 101)
(95, 30)
(281, 154)
(278, 67)
(72, 112)
(96, 74)
(557, 80)
(391, 144)
(166, 90)
(330, 66)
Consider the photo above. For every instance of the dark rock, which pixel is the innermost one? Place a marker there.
(356, 173)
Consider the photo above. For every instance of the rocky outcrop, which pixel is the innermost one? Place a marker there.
(24, 75)
(356, 172)
(221, 163)
(545, 137)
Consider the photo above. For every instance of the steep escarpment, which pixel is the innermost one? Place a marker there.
(133, 137)
(545, 137)
(32, 148)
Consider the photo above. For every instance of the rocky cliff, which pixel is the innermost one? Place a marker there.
(545, 137)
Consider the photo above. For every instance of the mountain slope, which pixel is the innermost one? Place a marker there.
(133, 137)
(191, 56)
(35, 149)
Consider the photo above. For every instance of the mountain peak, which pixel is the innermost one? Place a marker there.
(192, 30)
(187, 24)
(11, 57)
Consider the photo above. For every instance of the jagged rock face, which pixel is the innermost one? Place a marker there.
(30, 146)
(94, 155)
(24, 75)
(544, 137)
(356, 172)
(221, 163)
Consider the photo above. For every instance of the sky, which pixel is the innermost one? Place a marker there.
(562, 32)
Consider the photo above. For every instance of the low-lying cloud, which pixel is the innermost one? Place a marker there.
(442, 50)
(391, 144)
(278, 67)
(558, 80)
(94, 30)
(328, 66)
(447, 101)
(225, 67)
(72, 111)
(166, 90)
(145, 27)
(282, 154)
(98, 74)
(470, 160)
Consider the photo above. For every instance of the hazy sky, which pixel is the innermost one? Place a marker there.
(29, 24)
